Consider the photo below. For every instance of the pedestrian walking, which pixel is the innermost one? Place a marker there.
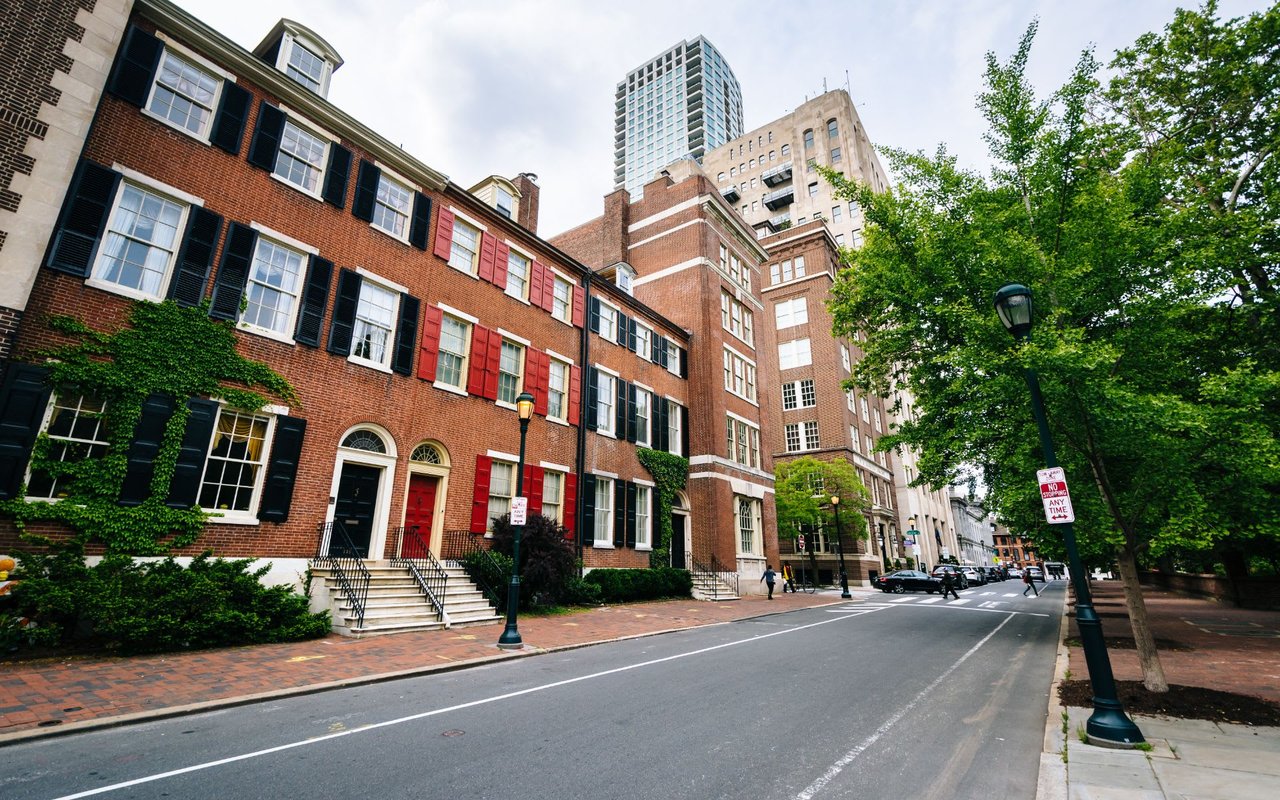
(949, 584)
(768, 578)
(788, 579)
(1030, 582)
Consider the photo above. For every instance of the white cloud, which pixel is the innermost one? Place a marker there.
(481, 87)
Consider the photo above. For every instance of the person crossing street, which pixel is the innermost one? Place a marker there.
(949, 584)
(1030, 582)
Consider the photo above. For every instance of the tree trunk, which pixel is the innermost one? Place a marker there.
(1148, 658)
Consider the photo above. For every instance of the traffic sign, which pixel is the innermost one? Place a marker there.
(800, 542)
(519, 510)
(1055, 496)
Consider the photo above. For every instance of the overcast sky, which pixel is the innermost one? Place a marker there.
(481, 87)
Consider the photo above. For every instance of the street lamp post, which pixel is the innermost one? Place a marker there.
(844, 576)
(510, 638)
(1108, 724)
(917, 549)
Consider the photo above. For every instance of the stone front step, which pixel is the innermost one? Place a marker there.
(395, 603)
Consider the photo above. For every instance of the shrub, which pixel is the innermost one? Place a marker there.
(491, 572)
(159, 606)
(630, 585)
(546, 558)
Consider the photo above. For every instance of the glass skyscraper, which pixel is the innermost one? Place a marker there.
(684, 102)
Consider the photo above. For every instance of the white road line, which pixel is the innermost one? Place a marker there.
(931, 600)
(1015, 594)
(472, 704)
(835, 769)
(902, 600)
(990, 604)
(959, 602)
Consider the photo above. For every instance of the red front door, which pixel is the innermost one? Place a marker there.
(418, 514)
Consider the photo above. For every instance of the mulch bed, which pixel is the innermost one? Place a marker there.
(1183, 702)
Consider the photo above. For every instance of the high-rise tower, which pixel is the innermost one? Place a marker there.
(682, 102)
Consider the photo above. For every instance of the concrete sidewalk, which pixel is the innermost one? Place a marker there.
(1188, 758)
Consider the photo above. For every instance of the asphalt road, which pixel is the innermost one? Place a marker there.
(892, 696)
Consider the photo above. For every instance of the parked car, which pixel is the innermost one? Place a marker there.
(1015, 572)
(907, 580)
(994, 574)
(962, 580)
(1037, 574)
(975, 577)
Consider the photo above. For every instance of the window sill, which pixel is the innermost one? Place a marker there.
(450, 388)
(373, 365)
(603, 545)
(123, 291)
(202, 138)
(265, 333)
(401, 239)
(299, 189)
(232, 518)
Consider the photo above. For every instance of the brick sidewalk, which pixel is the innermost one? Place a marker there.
(1227, 648)
(77, 693)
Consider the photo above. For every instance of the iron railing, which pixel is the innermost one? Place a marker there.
(716, 576)
(413, 554)
(471, 552)
(346, 562)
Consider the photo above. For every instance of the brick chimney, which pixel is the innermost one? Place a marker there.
(614, 238)
(528, 216)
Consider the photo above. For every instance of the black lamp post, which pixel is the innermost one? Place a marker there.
(844, 576)
(510, 638)
(1108, 724)
(916, 548)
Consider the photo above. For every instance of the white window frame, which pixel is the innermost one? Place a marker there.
(249, 516)
(294, 247)
(286, 51)
(557, 498)
(472, 267)
(303, 127)
(644, 508)
(644, 423)
(796, 390)
(85, 448)
(503, 500)
(752, 508)
(523, 351)
(467, 326)
(736, 318)
(795, 353)
(201, 64)
(845, 360)
(644, 341)
(565, 370)
(520, 293)
(611, 314)
(607, 517)
(562, 307)
(790, 313)
(168, 194)
(742, 438)
(383, 208)
(675, 433)
(739, 375)
(374, 285)
(606, 423)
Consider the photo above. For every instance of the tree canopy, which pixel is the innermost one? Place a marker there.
(803, 490)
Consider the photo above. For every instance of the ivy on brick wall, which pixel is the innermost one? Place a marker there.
(669, 475)
(166, 349)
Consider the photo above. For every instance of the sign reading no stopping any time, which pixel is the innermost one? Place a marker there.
(1056, 497)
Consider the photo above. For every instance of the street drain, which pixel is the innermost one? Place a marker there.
(454, 732)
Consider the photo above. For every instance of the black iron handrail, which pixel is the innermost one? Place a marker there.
(346, 562)
(459, 546)
(730, 576)
(717, 576)
(431, 577)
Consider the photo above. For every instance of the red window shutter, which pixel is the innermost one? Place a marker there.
(444, 233)
(548, 289)
(575, 390)
(535, 284)
(488, 244)
(430, 347)
(537, 376)
(569, 508)
(479, 357)
(579, 304)
(533, 478)
(491, 366)
(480, 495)
(501, 257)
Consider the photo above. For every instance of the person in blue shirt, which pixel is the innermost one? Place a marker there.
(768, 578)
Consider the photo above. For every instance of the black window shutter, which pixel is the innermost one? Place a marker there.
(420, 221)
(265, 144)
(23, 400)
(684, 363)
(367, 178)
(83, 219)
(661, 433)
(282, 470)
(336, 175)
(619, 513)
(406, 335)
(593, 397)
(184, 489)
(684, 431)
(315, 296)
(587, 531)
(631, 337)
(233, 273)
(135, 66)
(620, 409)
(633, 422)
(147, 437)
(344, 312)
(232, 117)
(631, 514)
(198, 245)
(593, 319)
(658, 349)
(624, 324)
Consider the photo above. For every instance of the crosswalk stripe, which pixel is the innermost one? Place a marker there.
(1012, 595)
(932, 600)
(902, 600)
(957, 602)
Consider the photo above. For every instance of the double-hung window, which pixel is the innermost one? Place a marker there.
(305, 67)
(302, 156)
(234, 469)
(866, 410)
(552, 495)
(643, 414)
(558, 390)
(739, 375)
(76, 433)
(643, 537)
(643, 339)
(798, 394)
(465, 248)
(675, 441)
(743, 440)
(736, 318)
(606, 395)
(502, 486)
(790, 313)
(747, 520)
(603, 532)
(392, 206)
(801, 436)
(451, 364)
(184, 94)
(375, 322)
(139, 249)
(609, 322)
(518, 275)
(561, 299)
(794, 354)
(275, 281)
(510, 368)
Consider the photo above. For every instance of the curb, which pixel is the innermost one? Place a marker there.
(1053, 782)
(528, 651)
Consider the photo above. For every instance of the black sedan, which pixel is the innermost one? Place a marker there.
(907, 580)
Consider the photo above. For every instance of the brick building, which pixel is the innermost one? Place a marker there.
(407, 313)
(681, 248)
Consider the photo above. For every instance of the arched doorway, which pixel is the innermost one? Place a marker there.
(680, 532)
(425, 493)
(361, 492)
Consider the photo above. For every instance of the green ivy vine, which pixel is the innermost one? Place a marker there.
(166, 349)
(669, 475)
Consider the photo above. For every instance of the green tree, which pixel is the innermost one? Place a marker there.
(803, 489)
(1150, 348)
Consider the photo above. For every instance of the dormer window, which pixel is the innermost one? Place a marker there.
(504, 201)
(625, 278)
(498, 193)
(306, 68)
(301, 54)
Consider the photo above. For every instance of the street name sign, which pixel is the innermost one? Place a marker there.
(1055, 495)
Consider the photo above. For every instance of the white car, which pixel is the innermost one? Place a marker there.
(1014, 572)
(1036, 573)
